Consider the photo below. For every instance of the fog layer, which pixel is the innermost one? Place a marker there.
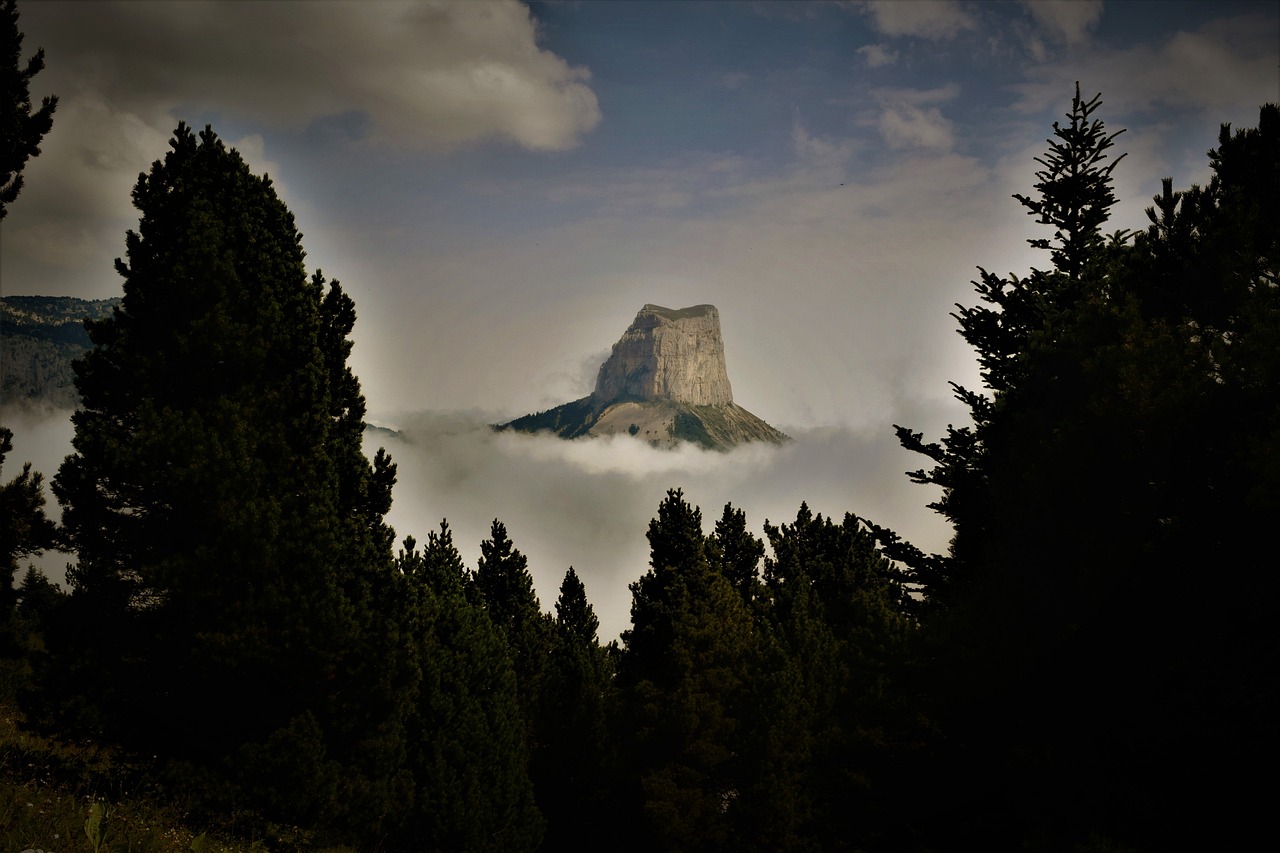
(587, 503)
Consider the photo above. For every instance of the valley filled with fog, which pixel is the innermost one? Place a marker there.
(587, 503)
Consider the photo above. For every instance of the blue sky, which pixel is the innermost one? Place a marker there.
(502, 186)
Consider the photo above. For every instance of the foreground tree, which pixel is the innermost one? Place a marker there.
(503, 587)
(467, 751)
(837, 734)
(25, 531)
(20, 129)
(1087, 649)
(574, 756)
(231, 553)
(683, 683)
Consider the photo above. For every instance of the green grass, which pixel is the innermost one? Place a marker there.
(57, 797)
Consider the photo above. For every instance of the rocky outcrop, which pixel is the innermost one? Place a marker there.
(664, 383)
(668, 355)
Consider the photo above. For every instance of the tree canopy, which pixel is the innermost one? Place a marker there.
(21, 130)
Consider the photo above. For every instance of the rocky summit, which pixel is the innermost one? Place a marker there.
(665, 382)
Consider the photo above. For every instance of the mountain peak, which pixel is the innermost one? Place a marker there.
(670, 355)
(665, 382)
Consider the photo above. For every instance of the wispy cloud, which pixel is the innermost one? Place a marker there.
(1066, 20)
(587, 503)
(877, 55)
(908, 119)
(425, 73)
(931, 19)
(1223, 67)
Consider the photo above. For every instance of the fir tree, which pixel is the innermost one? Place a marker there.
(467, 751)
(572, 765)
(735, 553)
(1120, 453)
(835, 729)
(20, 129)
(683, 679)
(504, 589)
(231, 553)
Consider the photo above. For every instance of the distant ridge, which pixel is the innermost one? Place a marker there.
(665, 382)
(39, 338)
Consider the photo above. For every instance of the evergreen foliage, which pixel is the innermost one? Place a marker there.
(227, 526)
(20, 129)
(683, 681)
(1125, 445)
(1090, 666)
(573, 763)
(467, 752)
(735, 553)
(25, 530)
(839, 730)
(504, 589)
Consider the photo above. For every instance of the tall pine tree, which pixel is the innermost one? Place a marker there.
(467, 749)
(21, 130)
(231, 552)
(683, 682)
(1095, 667)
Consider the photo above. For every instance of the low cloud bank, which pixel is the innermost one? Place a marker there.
(587, 503)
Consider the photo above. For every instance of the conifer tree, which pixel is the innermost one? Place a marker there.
(735, 553)
(1119, 455)
(683, 679)
(231, 553)
(571, 766)
(1074, 196)
(467, 751)
(20, 129)
(25, 531)
(504, 589)
(836, 724)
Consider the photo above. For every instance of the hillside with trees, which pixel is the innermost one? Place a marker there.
(40, 338)
(1091, 665)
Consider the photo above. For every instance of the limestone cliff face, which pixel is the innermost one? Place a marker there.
(664, 383)
(676, 356)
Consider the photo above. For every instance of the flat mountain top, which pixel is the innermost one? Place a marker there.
(664, 382)
(680, 313)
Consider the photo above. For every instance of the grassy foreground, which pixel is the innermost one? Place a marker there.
(57, 797)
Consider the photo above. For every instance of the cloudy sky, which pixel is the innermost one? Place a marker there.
(501, 186)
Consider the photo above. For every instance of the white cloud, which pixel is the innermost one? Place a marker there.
(425, 73)
(931, 19)
(816, 152)
(877, 55)
(1066, 20)
(76, 205)
(907, 120)
(61, 245)
(587, 503)
(1226, 68)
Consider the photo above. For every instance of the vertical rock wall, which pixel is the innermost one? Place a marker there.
(668, 355)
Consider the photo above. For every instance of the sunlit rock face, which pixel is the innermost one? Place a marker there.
(676, 356)
(664, 383)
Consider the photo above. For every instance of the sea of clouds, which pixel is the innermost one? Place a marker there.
(587, 503)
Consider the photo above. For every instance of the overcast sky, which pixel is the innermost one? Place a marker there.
(501, 186)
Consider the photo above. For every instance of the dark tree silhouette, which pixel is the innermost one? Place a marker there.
(20, 129)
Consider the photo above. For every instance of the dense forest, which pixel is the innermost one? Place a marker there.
(1091, 665)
